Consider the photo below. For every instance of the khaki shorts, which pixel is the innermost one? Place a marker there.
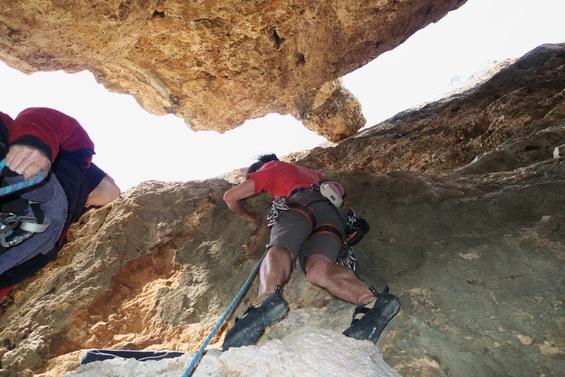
(293, 228)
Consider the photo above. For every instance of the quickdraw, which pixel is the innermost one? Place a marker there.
(347, 256)
(277, 208)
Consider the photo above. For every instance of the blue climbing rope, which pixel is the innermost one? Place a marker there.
(200, 352)
(20, 185)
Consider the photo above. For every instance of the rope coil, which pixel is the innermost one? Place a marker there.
(20, 185)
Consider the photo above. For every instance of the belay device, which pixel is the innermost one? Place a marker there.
(15, 229)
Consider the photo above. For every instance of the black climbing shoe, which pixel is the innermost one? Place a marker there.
(375, 316)
(247, 329)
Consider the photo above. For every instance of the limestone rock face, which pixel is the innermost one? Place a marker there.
(465, 198)
(217, 64)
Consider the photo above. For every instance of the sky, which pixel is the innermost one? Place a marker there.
(133, 145)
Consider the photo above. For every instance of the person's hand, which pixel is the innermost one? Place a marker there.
(253, 217)
(27, 161)
(234, 196)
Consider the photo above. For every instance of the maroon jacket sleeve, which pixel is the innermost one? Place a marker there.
(6, 118)
(52, 132)
(4, 124)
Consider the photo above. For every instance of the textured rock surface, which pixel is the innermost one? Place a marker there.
(465, 198)
(217, 64)
(305, 351)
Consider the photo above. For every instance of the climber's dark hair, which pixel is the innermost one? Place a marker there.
(262, 160)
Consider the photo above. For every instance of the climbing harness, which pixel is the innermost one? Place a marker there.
(280, 205)
(200, 352)
(355, 228)
(14, 228)
(307, 211)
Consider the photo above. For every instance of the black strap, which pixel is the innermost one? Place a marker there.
(307, 211)
(37, 212)
(328, 229)
(100, 355)
(303, 189)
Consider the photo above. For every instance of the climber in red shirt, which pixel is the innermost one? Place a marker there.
(46, 140)
(307, 226)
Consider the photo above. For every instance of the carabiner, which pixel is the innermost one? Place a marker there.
(8, 221)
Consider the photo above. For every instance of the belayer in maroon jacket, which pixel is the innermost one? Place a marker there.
(46, 140)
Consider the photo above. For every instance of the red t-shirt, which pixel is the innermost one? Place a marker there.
(279, 178)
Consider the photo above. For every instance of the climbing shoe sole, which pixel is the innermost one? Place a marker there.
(247, 330)
(370, 326)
